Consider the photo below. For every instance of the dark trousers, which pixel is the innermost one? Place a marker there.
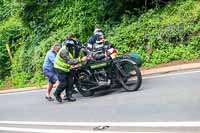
(66, 82)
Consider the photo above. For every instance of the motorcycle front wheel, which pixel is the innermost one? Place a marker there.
(83, 86)
(129, 75)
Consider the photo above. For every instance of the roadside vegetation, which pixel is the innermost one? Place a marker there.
(159, 31)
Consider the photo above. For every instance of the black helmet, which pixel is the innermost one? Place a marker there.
(70, 43)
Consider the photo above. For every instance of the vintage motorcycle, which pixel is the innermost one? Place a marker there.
(107, 71)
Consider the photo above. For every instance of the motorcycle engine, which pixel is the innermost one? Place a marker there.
(102, 77)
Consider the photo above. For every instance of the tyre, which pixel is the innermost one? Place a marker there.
(83, 86)
(129, 75)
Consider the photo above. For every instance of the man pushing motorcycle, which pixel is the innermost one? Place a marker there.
(64, 63)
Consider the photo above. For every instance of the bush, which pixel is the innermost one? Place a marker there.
(162, 35)
(20, 79)
(10, 31)
(38, 79)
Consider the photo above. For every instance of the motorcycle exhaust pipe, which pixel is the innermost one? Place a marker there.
(98, 87)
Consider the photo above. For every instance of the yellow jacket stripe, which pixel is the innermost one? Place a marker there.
(61, 64)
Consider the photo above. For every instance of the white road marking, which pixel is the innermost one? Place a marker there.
(170, 74)
(32, 130)
(113, 124)
(49, 130)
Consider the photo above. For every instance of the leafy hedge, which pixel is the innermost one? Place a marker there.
(160, 35)
(57, 22)
(10, 32)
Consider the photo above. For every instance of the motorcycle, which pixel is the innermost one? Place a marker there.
(107, 71)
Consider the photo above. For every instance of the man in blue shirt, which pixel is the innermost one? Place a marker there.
(49, 71)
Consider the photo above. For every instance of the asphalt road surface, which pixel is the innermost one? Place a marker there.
(161, 100)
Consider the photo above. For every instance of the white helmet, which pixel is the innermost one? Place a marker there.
(98, 32)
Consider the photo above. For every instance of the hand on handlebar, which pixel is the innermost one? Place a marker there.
(76, 66)
(84, 59)
(89, 56)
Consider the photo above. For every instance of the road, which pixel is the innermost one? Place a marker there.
(170, 97)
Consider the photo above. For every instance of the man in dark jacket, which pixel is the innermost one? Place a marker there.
(97, 38)
(64, 62)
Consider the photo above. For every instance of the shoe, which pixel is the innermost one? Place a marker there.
(49, 98)
(65, 97)
(69, 98)
(58, 98)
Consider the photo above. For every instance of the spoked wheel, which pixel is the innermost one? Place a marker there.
(129, 75)
(83, 86)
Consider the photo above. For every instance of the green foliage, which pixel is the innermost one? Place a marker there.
(4, 62)
(1, 84)
(8, 8)
(195, 43)
(159, 35)
(162, 35)
(38, 79)
(46, 23)
(21, 79)
(5, 9)
(10, 31)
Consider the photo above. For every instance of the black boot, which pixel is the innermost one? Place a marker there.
(57, 96)
(69, 97)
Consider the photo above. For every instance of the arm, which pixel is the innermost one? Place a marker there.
(64, 54)
(91, 41)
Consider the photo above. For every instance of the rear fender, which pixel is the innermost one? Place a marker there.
(121, 60)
